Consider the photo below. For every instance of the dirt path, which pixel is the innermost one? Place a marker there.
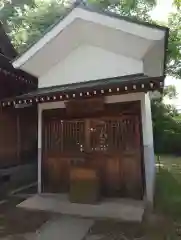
(20, 224)
(15, 220)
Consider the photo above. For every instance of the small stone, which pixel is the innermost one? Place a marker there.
(2, 228)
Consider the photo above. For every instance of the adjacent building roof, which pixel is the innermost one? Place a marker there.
(6, 48)
(12, 81)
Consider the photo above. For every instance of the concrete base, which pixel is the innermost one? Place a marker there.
(122, 209)
(65, 228)
(25, 174)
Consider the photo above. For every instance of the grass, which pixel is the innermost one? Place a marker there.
(165, 222)
(168, 191)
(168, 187)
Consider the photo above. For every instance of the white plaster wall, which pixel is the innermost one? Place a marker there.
(121, 26)
(147, 120)
(89, 63)
(147, 135)
(153, 63)
(148, 148)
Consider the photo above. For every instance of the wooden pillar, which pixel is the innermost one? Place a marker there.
(39, 149)
(18, 137)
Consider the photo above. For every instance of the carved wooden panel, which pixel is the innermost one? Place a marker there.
(75, 107)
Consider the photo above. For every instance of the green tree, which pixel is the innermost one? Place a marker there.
(170, 92)
(177, 4)
(166, 124)
(174, 45)
(135, 8)
(26, 21)
(29, 23)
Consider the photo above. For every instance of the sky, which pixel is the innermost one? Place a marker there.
(161, 12)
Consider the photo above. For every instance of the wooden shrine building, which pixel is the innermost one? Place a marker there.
(18, 126)
(96, 72)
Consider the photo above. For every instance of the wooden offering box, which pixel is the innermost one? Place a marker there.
(84, 185)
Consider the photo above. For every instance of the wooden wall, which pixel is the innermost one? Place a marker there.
(8, 137)
(18, 127)
(18, 136)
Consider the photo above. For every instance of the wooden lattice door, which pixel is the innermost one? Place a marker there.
(111, 145)
(115, 150)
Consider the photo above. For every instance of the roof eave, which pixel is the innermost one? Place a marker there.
(142, 84)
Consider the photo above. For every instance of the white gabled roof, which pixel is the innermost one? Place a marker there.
(82, 25)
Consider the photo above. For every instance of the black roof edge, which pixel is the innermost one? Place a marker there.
(6, 46)
(81, 4)
(120, 17)
(165, 51)
(94, 81)
(125, 78)
(5, 63)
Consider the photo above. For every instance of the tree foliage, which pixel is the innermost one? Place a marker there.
(174, 46)
(25, 23)
(134, 8)
(166, 124)
(26, 20)
(177, 4)
(170, 92)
